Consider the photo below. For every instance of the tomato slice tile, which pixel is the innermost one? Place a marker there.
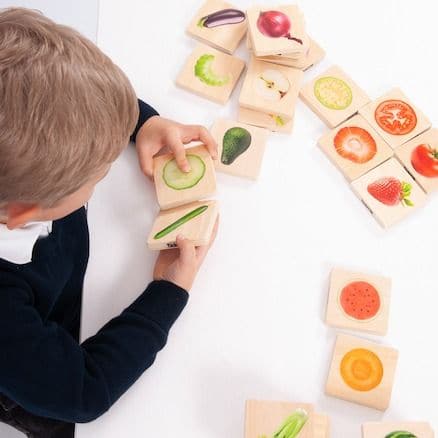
(360, 300)
(396, 117)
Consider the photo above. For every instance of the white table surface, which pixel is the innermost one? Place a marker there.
(254, 325)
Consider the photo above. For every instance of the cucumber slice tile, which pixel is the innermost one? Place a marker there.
(177, 179)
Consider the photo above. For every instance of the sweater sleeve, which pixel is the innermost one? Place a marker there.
(43, 369)
(145, 113)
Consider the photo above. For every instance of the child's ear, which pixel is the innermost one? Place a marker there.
(19, 214)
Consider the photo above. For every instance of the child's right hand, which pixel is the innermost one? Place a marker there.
(180, 265)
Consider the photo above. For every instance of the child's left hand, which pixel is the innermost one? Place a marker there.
(158, 133)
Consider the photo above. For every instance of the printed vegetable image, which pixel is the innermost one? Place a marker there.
(391, 191)
(204, 72)
(400, 434)
(179, 180)
(292, 426)
(360, 300)
(333, 93)
(276, 24)
(396, 117)
(424, 159)
(355, 144)
(278, 120)
(361, 369)
(222, 18)
(181, 221)
(235, 142)
(272, 85)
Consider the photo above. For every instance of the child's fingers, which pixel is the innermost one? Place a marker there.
(198, 132)
(178, 149)
(187, 251)
(146, 160)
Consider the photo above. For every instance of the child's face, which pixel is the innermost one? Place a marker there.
(72, 202)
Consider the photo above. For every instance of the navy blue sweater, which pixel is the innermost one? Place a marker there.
(43, 367)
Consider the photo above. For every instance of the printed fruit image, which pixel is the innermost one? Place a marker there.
(424, 159)
(235, 142)
(396, 117)
(361, 369)
(272, 85)
(204, 72)
(179, 180)
(292, 426)
(400, 434)
(279, 121)
(221, 18)
(391, 191)
(181, 221)
(276, 24)
(333, 93)
(355, 144)
(360, 300)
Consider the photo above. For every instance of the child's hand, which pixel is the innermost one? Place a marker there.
(158, 133)
(180, 265)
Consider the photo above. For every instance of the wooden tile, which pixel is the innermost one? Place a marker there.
(198, 229)
(202, 171)
(313, 56)
(240, 147)
(333, 96)
(383, 430)
(210, 73)
(358, 301)
(420, 157)
(272, 122)
(354, 147)
(321, 426)
(362, 372)
(264, 418)
(389, 174)
(271, 88)
(291, 38)
(219, 24)
(395, 118)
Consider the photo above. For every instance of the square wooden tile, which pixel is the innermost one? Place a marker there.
(271, 88)
(321, 426)
(395, 118)
(290, 38)
(313, 56)
(392, 177)
(240, 147)
(264, 418)
(377, 430)
(197, 225)
(200, 181)
(420, 157)
(354, 147)
(362, 372)
(219, 24)
(272, 122)
(210, 73)
(358, 301)
(333, 96)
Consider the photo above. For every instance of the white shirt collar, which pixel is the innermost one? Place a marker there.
(16, 246)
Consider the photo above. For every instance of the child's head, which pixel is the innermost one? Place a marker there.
(66, 113)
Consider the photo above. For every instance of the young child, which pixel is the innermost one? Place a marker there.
(66, 113)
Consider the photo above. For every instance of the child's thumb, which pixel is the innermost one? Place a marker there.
(187, 251)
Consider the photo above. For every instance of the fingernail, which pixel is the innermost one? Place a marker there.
(180, 237)
(187, 168)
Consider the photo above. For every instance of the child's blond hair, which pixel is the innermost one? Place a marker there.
(65, 109)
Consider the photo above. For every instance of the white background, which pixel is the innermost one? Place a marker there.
(254, 326)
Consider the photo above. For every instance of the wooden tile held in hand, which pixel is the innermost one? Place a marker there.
(197, 225)
(170, 197)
